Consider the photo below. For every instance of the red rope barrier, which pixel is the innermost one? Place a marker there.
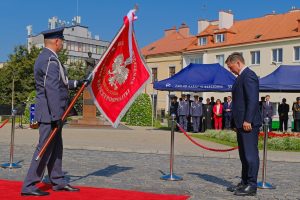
(202, 146)
(4, 122)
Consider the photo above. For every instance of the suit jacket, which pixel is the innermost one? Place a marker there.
(220, 111)
(52, 86)
(283, 110)
(174, 108)
(227, 106)
(245, 99)
(267, 110)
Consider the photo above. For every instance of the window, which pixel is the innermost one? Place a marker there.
(297, 53)
(203, 40)
(98, 49)
(196, 60)
(65, 44)
(219, 38)
(171, 71)
(75, 46)
(220, 59)
(277, 55)
(80, 47)
(255, 57)
(154, 74)
(94, 49)
(72, 46)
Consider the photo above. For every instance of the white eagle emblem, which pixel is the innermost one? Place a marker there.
(119, 72)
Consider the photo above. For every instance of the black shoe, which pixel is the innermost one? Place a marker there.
(247, 190)
(235, 187)
(68, 188)
(36, 192)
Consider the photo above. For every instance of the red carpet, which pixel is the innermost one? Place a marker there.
(11, 190)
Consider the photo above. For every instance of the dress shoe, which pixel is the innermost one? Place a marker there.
(247, 190)
(235, 187)
(68, 188)
(36, 192)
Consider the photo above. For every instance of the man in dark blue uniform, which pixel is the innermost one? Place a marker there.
(196, 111)
(247, 121)
(52, 96)
(183, 112)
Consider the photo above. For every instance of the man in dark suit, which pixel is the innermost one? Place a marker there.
(228, 112)
(267, 110)
(247, 121)
(52, 86)
(283, 110)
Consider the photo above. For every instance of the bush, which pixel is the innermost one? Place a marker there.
(286, 143)
(274, 143)
(140, 112)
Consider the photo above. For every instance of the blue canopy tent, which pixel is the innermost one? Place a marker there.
(198, 78)
(286, 78)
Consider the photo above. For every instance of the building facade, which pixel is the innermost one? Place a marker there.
(78, 40)
(164, 57)
(265, 42)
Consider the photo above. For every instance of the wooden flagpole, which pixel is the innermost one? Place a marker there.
(54, 131)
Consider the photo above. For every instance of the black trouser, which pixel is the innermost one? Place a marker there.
(283, 122)
(249, 156)
(297, 125)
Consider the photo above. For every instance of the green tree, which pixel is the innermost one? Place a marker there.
(20, 68)
(76, 72)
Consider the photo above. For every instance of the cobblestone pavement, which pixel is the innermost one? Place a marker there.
(203, 178)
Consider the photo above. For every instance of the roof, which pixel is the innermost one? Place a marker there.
(266, 28)
(198, 78)
(172, 43)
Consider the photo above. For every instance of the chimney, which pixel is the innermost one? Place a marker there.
(202, 25)
(225, 19)
(298, 20)
(184, 30)
(170, 31)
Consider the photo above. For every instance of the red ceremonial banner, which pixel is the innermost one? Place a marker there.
(120, 75)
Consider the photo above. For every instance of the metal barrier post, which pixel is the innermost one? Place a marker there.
(171, 176)
(263, 184)
(11, 164)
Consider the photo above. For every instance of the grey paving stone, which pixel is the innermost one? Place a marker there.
(203, 178)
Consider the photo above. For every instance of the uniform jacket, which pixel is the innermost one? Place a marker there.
(183, 108)
(196, 109)
(245, 99)
(52, 86)
(296, 111)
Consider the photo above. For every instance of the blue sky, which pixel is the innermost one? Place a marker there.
(104, 17)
